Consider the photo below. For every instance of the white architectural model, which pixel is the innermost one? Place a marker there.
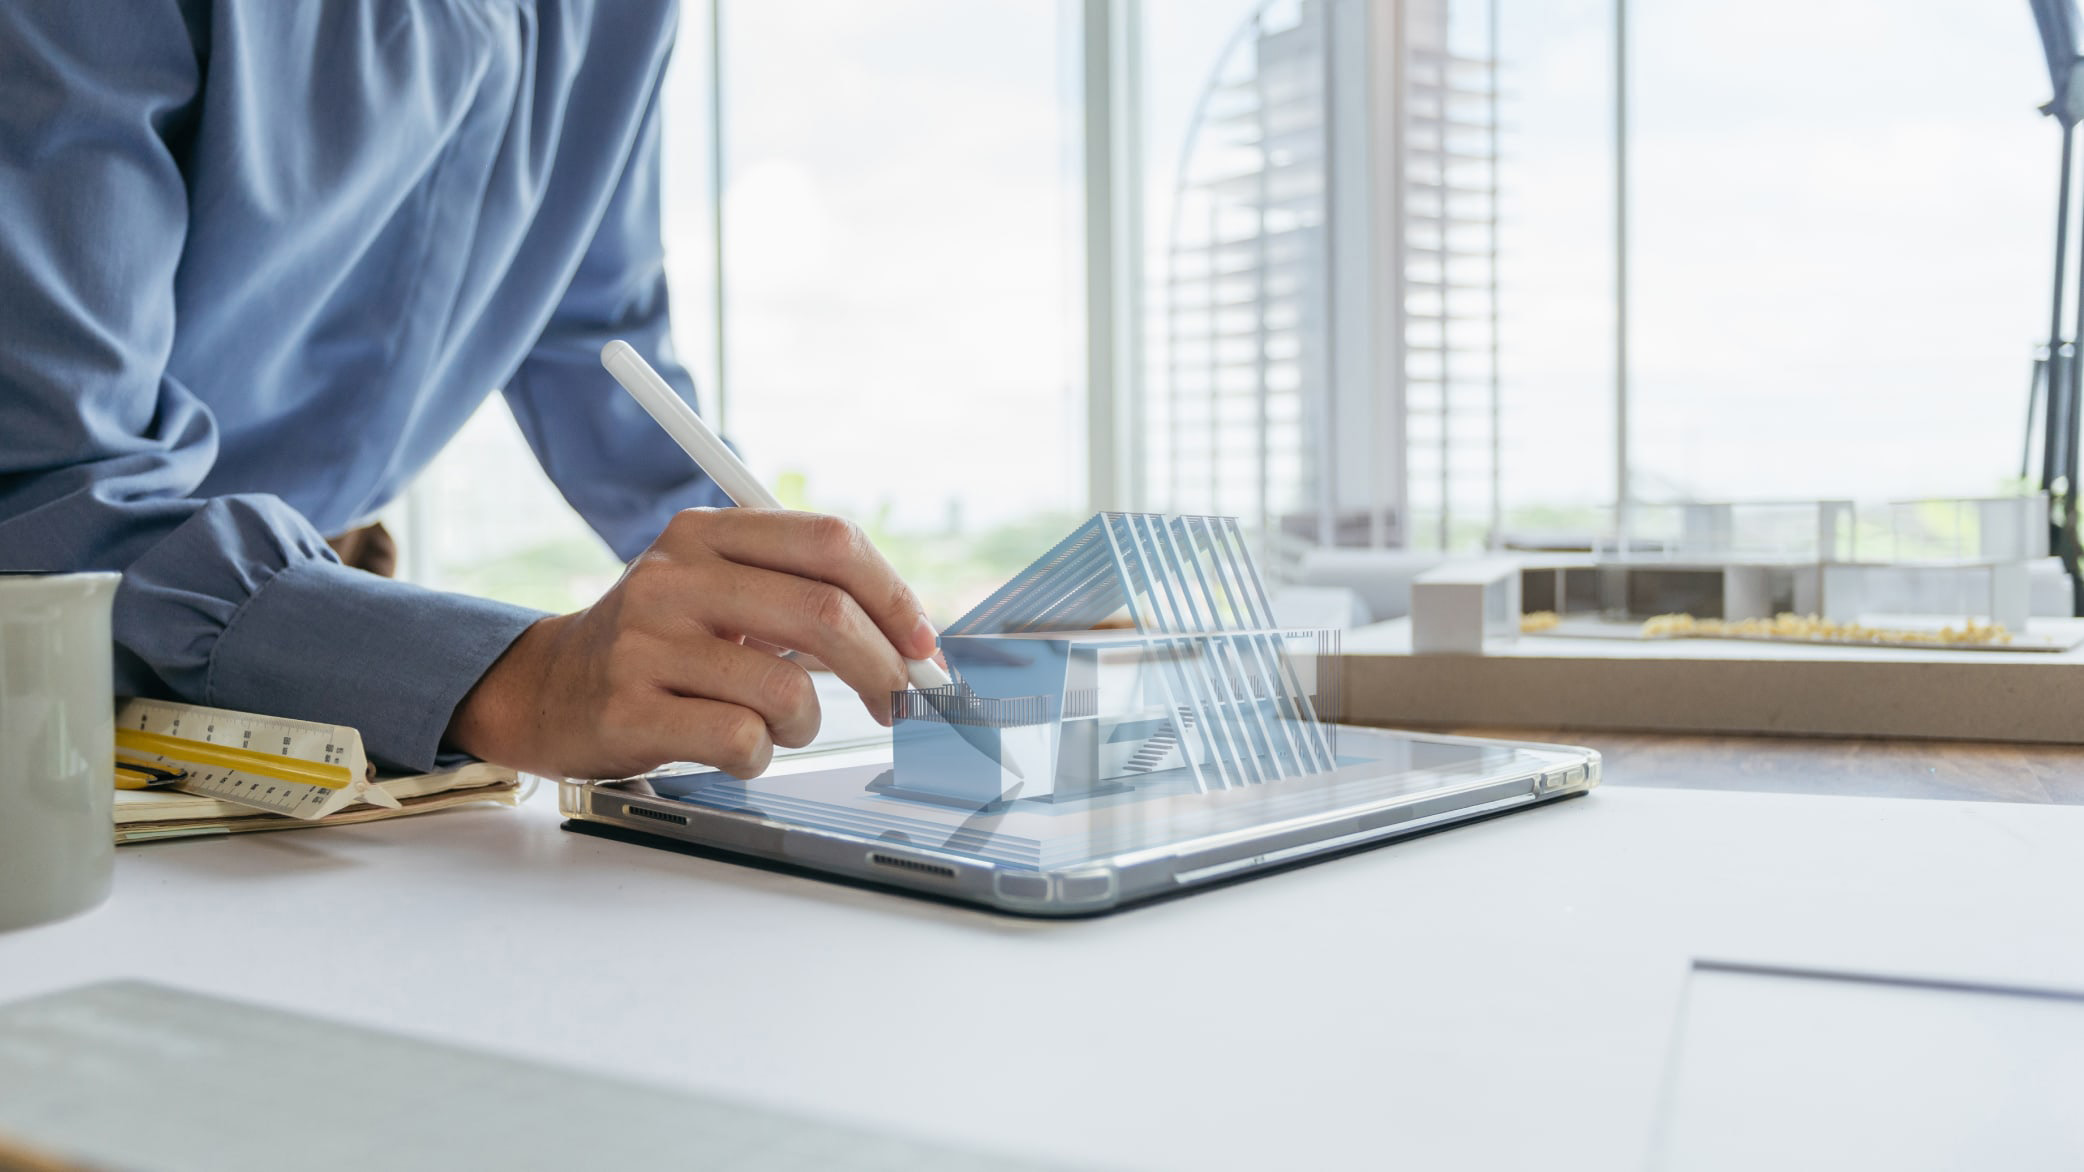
(1456, 607)
(1952, 571)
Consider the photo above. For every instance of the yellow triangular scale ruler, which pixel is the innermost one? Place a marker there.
(293, 767)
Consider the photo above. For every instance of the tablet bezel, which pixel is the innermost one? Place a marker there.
(1539, 773)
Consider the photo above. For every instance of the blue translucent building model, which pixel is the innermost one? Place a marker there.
(1141, 652)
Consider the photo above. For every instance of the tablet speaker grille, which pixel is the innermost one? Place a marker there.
(654, 815)
(904, 864)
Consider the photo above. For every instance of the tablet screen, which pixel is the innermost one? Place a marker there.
(853, 791)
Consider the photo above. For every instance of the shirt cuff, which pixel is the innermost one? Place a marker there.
(319, 641)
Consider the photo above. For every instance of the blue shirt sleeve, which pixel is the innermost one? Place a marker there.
(611, 462)
(232, 601)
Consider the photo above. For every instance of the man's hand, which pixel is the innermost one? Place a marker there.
(670, 665)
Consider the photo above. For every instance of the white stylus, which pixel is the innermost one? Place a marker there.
(709, 451)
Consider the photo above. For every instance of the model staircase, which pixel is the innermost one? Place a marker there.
(1162, 742)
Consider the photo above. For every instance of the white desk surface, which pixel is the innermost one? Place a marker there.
(1496, 996)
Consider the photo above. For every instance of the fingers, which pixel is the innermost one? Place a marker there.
(677, 661)
(803, 615)
(679, 728)
(779, 691)
(815, 546)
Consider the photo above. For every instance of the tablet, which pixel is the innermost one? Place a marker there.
(839, 810)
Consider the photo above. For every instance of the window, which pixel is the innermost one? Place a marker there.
(1842, 234)
(1236, 258)
(901, 302)
(1323, 251)
(901, 307)
(483, 519)
(1365, 254)
(1556, 270)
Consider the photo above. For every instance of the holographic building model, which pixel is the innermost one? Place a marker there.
(1138, 654)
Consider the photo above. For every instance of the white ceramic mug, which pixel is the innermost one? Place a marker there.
(57, 745)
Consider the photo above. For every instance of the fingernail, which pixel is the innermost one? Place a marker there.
(923, 639)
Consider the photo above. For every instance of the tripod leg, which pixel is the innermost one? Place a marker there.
(2033, 411)
(2072, 387)
(2058, 367)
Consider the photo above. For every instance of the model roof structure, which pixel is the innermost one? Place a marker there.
(1171, 575)
(1191, 591)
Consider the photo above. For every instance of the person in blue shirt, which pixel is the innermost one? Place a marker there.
(259, 261)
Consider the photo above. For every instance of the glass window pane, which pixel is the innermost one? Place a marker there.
(484, 520)
(1843, 240)
(1234, 293)
(1267, 221)
(902, 302)
(1556, 266)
